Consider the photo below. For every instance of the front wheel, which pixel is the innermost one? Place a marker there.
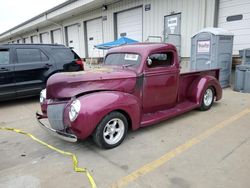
(207, 100)
(111, 131)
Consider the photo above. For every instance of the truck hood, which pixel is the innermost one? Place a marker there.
(70, 84)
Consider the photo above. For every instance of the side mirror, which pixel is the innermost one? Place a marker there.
(149, 61)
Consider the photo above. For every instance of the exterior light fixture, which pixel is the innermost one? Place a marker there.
(104, 7)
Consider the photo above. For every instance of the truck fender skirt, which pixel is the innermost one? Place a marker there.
(199, 85)
(95, 106)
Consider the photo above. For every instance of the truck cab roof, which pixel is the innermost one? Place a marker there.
(142, 48)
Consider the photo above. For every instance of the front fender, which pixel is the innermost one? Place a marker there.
(199, 85)
(95, 106)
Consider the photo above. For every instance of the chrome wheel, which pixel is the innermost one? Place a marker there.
(208, 97)
(113, 131)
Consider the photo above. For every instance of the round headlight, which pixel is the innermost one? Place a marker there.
(74, 110)
(42, 96)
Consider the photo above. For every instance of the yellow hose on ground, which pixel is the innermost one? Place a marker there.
(72, 155)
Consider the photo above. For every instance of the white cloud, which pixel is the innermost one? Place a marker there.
(14, 12)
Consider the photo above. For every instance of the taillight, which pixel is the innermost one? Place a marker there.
(80, 62)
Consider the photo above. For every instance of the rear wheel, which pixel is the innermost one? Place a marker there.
(207, 100)
(111, 131)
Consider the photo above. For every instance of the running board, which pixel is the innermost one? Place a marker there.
(152, 118)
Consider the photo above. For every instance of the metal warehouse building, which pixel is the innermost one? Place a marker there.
(81, 24)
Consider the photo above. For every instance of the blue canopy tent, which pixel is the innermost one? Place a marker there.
(118, 42)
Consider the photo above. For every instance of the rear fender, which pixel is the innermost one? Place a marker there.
(95, 106)
(199, 85)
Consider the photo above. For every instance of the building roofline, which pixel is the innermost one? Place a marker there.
(40, 15)
(31, 44)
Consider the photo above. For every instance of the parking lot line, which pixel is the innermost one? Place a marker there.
(175, 152)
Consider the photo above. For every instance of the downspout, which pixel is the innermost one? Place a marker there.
(57, 24)
(216, 12)
(205, 14)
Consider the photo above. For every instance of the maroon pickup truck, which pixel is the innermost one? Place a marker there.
(138, 85)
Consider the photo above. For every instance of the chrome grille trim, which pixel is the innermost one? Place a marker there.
(55, 116)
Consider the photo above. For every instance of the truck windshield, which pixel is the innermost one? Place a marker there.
(123, 59)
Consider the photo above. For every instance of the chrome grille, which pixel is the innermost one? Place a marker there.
(55, 116)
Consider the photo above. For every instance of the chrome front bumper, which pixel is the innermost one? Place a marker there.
(63, 135)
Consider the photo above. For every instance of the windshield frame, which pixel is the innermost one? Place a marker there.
(127, 65)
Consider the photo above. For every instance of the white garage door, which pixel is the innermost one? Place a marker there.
(26, 40)
(57, 36)
(234, 15)
(73, 38)
(19, 41)
(45, 38)
(129, 24)
(34, 39)
(94, 37)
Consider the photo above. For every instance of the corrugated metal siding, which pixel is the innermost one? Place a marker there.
(240, 28)
(210, 12)
(195, 15)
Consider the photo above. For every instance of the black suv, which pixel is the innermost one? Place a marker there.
(25, 68)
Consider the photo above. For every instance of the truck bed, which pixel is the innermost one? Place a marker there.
(187, 78)
(211, 72)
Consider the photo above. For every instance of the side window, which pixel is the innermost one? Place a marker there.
(28, 55)
(161, 59)
(64, 54)
(4, 56)
(44, 57)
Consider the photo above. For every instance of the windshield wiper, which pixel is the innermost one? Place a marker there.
(127, 65)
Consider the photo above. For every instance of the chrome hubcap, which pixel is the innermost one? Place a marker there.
(113, 131)
(208, 97)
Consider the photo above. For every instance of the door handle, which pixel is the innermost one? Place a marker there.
(47, 65)
(3, 69)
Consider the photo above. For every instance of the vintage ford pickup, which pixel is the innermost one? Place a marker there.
(138, 85)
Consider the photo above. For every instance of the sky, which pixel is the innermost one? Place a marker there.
(14, 12)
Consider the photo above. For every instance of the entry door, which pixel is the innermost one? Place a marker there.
(57, 36)
(73, 38)
(129, 24)
(94, 37)
(160, 85)
(172, 30)
(7, 82)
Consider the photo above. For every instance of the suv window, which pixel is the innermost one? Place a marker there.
(4, 56)
(44, 57)
(161, 59)
(27, 55)
(64, 54)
